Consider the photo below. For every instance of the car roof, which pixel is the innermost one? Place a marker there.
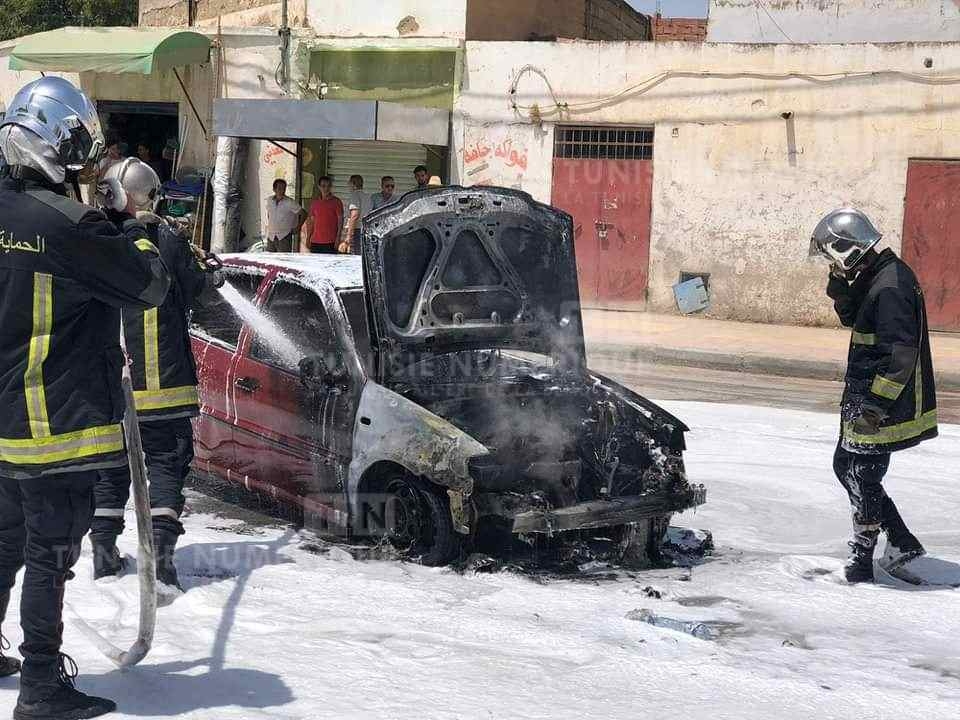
(341, 271)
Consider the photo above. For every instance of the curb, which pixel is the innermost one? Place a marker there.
(741, 362)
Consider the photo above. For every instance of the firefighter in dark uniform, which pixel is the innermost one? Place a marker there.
(889, 403)
(65, 272)
(164, 380)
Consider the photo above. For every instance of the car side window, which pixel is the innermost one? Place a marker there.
(219, 316)
(294, 325)
(356, 310)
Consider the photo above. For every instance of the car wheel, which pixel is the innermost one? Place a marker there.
(419, 524)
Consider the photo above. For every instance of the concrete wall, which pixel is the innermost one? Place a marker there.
(681, 29)
(222, 13)
(588, 19)
(397, 18)
(615, 20)
(329, 18)
(512, 20)
(737, 188)
(833, 21)
(473, 19)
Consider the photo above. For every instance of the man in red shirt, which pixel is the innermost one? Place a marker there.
(323, 224)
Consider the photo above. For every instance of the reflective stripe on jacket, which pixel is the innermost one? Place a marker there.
(65, 271)
(889, 367)
(158, 342)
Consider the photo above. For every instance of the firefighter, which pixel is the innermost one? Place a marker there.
(164, 380)
(65, 272)
(889, 402)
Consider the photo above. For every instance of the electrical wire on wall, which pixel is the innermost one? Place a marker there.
(559, 107)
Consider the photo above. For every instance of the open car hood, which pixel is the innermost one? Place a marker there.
(455, 268)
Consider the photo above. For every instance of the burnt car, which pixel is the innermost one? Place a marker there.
(434, 391)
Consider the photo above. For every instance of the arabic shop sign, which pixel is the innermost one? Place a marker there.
(495, 156)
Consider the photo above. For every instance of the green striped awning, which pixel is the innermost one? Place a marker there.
(110, 50)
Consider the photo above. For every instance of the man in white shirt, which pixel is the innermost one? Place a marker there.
(284, 218)
(359, 205)
(387, 194)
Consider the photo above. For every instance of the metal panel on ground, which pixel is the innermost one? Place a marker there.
(373, 160)
(931, 237)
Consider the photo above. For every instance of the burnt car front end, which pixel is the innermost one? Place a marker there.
(474, 300)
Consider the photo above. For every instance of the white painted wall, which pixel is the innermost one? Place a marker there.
(833, 21)
(730, 197)
(382, 18)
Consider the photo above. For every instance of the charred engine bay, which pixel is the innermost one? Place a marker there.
(556, 438)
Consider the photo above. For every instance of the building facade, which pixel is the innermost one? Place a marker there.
(676, 159)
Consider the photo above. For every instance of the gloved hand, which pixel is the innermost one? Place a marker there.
(837, 287)
(148, 217)
(218, 278)
(869, 421)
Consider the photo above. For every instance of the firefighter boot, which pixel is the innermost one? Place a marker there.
(902, 545)
(58, 698)
(8, 665)
(859, 567)
(107, 562)
(164, 544)
(898, 553)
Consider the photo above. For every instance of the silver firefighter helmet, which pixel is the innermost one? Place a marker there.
(129, 180)
(64, 120)
(844, 237)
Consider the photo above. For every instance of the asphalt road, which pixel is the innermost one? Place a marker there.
(672, 382)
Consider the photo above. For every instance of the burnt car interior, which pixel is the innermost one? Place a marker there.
(482, 327)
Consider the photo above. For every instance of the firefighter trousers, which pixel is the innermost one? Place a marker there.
(42, 524)
(862, 478)
(168, 450)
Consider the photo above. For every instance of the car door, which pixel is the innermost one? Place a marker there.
(295, 439)
(215, 328)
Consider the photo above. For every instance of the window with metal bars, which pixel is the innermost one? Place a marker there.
(598, 142)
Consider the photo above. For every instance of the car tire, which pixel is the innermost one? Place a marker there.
(423, 527)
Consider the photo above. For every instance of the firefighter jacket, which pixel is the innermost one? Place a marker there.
(65, 272)
(163, 370)
(889, 367)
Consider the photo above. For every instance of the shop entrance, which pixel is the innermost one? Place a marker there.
(148, 130)
(370, 159)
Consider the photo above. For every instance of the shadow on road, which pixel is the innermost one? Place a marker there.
(176, 688)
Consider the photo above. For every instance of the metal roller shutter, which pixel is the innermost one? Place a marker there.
(372, 160)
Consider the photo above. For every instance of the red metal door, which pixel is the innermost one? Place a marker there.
(610, 201)
(577, 188)
(624, 237)
(931, 237)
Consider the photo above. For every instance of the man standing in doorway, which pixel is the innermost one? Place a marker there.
(146, 155)
(422, 176)
(890, 401)
(322, 228)
(387, 194)
(358, 205)
(284, 218)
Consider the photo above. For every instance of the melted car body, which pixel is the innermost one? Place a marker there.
(434, 389)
